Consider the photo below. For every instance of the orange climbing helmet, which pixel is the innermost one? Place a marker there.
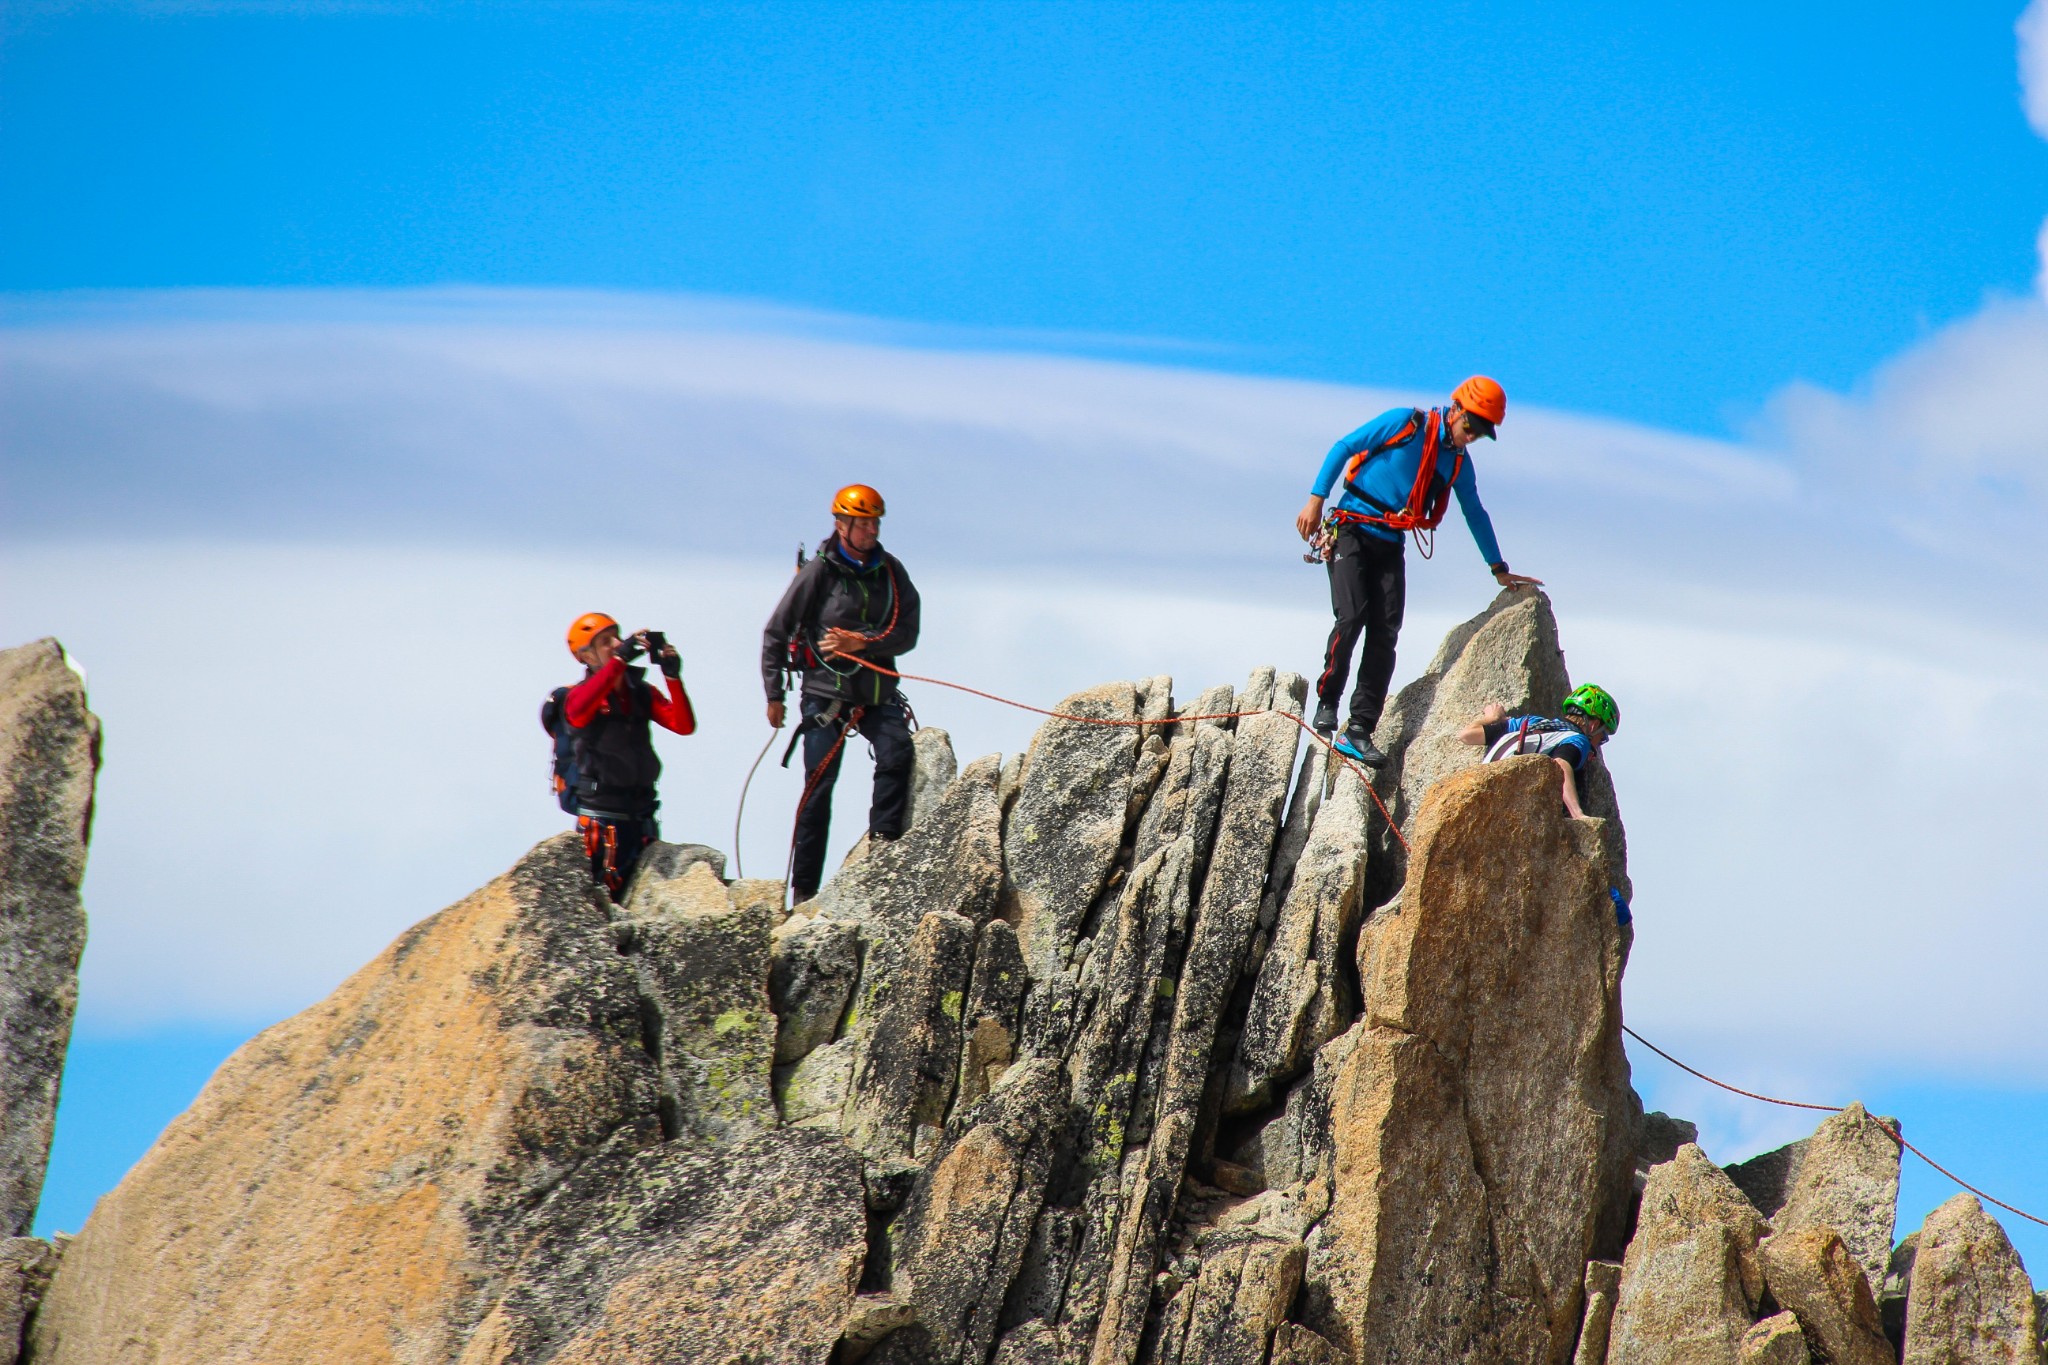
(857, 500)
(1482, 397)
(588, 627)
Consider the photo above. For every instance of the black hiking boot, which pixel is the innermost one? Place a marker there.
(1326, 718)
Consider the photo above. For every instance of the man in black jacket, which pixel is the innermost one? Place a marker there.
(852, 598)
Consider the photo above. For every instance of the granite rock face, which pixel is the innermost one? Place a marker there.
(1149, 1046)
(1776, 1340)
(1971, 1302)
(1474, 1120)
(49, 758)
(1693, 1278)
(1845, 1177)
(1603, 1288)
(350, 1181)
(1811, 1272)
(26, 1264)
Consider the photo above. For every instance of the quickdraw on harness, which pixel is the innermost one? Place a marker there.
(602, 835)
(1428, 498)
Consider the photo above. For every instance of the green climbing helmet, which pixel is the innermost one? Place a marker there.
(1597, 703)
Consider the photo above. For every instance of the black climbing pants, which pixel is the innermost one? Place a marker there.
(1368, 592)
(887, 728)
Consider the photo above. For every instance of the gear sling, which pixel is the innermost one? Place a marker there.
(1427, 500)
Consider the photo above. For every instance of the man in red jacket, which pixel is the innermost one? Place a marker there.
(616, 766)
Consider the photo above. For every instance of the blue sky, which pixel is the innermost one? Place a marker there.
(1661, 213)
(308, 314)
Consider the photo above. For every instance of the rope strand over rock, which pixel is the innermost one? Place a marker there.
(1893, 1133)
(1331, 748)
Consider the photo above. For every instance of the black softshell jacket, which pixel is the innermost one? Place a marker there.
(828, 592)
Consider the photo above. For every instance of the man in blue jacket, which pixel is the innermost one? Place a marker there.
(1397, 474)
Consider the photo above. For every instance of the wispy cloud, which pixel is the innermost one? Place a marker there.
(2032, 29)
(319, 569)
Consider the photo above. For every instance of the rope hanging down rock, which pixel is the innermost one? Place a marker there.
(1890, 1131)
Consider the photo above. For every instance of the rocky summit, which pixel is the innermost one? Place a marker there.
(1152, 1044)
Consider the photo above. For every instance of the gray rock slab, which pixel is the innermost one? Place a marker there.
(1693, 1277)
(951, 861)
(813, 966)
(49, 758)
(1603, 1290)
(1971, 1302)
(1811, 1272)
(933, 769)
(683, 1255)
(703, 966)
(1776, 1340)
(1062, 835)
(26, 1265)
(995, 1004)
(1659, 1139)
(1845, 1176)
(664, 862)
(1228, 1313)
(1255, 793)
(962, 1237)
(907, 1034)
(1301, 998)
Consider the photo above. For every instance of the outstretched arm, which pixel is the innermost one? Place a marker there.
(1481, 526)
(674, 712)
(1475, 733)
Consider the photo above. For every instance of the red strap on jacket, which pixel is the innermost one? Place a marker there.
(589, 698)
(1422, 512)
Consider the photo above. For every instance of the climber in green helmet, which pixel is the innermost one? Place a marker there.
(1590, 718)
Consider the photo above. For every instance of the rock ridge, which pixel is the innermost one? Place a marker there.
(1147, 1045)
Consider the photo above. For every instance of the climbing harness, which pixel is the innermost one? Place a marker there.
(800, 656)
(1894, 1134)
(1535, 735)
(602, 834)
(1427, 500)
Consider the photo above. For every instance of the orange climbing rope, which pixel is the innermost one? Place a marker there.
(1395, 829)
(1893, 1133)
(1363, 775)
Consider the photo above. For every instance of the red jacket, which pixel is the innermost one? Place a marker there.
(591, 698)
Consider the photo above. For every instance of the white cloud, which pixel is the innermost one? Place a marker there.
(2032, 29)
(1942, 441)
(2033, 35)
(320, 698)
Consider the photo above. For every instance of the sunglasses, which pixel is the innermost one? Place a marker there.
(1480, 426)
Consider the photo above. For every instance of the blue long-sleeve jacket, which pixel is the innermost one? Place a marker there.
(1390, 475)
